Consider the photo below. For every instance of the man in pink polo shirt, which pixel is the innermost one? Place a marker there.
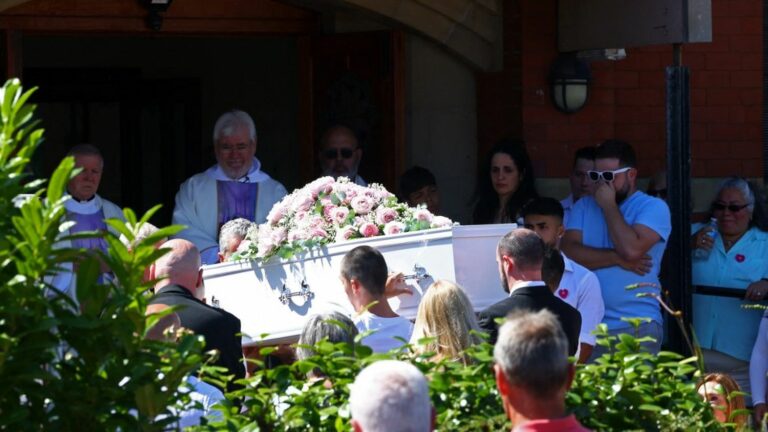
(533, 373)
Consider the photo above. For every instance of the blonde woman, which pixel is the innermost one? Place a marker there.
(446, 315)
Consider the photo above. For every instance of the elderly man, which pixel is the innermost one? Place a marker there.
(179, 283)
(520, 255)
(341, 153)
(533, 373)
(234, 187)
(391, 395)
(581, 185)
(620, 234)
(231, 235)
(87, 210)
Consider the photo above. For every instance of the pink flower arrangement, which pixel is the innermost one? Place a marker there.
(330, 211)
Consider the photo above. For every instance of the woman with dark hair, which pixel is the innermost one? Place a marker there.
(735, 256)
(505, 184)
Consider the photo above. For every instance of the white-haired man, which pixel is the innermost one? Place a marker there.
(231, 235)
(533, 372)
(234, 187)
(391, 395)
(87, 210)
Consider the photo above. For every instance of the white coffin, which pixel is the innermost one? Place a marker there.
(252, 292)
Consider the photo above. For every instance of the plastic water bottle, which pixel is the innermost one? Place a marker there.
(700, 252)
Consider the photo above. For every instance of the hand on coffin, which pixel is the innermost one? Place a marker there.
(396, 285)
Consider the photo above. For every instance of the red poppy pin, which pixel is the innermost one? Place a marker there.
(563, 293)
(740, 258)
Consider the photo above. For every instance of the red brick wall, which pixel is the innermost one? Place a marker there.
(626, 97)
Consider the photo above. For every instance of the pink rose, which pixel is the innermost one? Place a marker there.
(385, 215)
(321, 185)
(362, 204)
(369, 229)
(277, 235)
(297, 234)
(422, 215)
(278, 212)
(302, 202)
(328, 211)
(317, 233)
(394, 227)
(441, 222)
(316, 221)
(345, 233)
(339, 214)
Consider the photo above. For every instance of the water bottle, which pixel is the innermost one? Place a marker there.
(701, 253)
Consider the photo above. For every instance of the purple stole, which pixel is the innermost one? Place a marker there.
(88, 222)
(236, 200)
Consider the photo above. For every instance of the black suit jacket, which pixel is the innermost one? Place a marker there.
(220, 328)
(533, 298)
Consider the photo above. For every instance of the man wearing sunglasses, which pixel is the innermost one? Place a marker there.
(235, 187)
(620, 234)
(340, 154)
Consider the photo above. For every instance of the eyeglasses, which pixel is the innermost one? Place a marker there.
(606, 175)
(733, 208)
(334, 153)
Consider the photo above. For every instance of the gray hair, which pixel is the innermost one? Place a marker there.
(525, 247)
(391, 395)
(229, 122)
(740, 185)
(532, 351)
(334, 326)
(145, 230)
(236, 227)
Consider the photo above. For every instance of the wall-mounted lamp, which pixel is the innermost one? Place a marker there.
(155, 7)
(569, 80)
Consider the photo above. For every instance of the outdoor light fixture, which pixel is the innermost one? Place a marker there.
(155, 7)
(569, 79)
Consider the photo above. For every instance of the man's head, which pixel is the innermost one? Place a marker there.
(388, 396)
(364, 275)
(418, 186)
(234, 143)
(520, 255)
(86, 184)
(532, 368)
(552, 268)
(145, 230)
(615, 162)
(340, 152)
(231, 235)
(544, 216)
(179, 266)
(583, 162)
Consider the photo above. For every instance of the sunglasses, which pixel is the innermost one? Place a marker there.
(733, 208)
(606, 175)
(334, 153)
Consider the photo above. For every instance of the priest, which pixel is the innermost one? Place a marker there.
(235, 187)
(87, 210)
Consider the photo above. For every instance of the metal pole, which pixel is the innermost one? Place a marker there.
(678, 254)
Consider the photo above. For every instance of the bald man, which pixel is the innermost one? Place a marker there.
(180, 283)
(341, 153)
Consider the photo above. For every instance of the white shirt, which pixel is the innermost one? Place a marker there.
(385, 331)
(203, 394)
(758, 364)
(580, 288)
(567, 204)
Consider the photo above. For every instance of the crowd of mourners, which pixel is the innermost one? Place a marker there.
(566, 268)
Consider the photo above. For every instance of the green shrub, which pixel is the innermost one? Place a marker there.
(64, 367)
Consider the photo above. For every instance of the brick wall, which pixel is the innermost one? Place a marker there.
(626, 97)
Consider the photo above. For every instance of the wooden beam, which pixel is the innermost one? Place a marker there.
(11, 60)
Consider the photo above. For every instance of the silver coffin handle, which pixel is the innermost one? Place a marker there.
(419, 273)
(286, 294)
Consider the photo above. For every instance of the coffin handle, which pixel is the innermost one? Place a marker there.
(419, 273)
(286, 294)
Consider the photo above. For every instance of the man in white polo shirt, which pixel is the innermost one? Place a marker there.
(578, 287)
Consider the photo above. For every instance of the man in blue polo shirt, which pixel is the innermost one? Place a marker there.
(620, 234)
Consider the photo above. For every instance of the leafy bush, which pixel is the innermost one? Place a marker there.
(64, 367)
